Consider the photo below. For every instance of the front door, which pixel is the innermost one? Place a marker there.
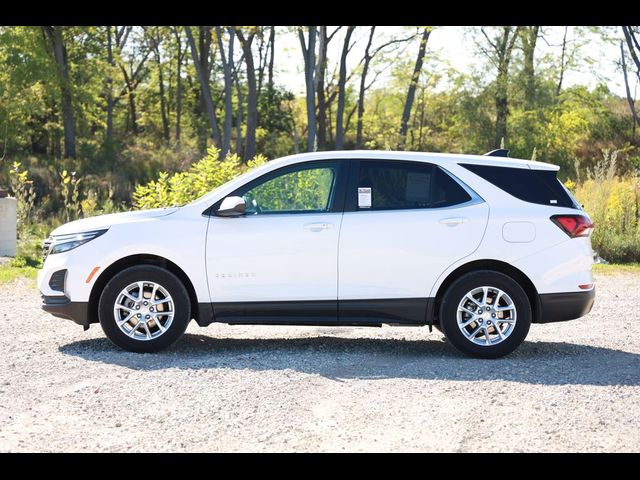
(278, 262)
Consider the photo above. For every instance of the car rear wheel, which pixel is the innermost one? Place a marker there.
(144, 308)
(485, 314)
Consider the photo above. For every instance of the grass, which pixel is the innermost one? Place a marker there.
(20, 267)
(28, 259)
(613, 268)
(9, 273)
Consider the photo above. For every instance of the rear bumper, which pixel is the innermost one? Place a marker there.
(557, 307)
(62, 307)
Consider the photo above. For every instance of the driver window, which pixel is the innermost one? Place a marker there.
(405, 185)
(300, 191)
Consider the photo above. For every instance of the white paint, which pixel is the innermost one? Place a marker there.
(288, 257)
(367, 254)
(8, 227)
(519, 232)
(177, 235)
(400, 253)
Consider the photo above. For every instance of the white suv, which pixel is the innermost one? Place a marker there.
(477, 246)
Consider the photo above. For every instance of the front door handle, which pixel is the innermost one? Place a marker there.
(317, 227)
(453, 221)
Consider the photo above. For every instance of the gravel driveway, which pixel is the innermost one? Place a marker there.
(573, 386)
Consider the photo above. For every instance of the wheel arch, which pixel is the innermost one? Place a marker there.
(133, 260)
(487, 264)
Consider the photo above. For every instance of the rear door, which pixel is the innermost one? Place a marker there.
(404, 224)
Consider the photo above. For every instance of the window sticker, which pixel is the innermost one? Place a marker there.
(364, 197)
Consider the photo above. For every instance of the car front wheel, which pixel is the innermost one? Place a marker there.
(144, 308)
(485, 314)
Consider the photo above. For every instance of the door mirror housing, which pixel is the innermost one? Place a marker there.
(232, 207)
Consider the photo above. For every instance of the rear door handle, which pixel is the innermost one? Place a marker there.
(317, 227)
(453, 221)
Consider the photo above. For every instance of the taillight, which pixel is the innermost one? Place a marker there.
(573, 225)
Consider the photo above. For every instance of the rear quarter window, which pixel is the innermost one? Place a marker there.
(534, 186)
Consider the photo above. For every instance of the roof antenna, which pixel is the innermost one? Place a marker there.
(498, 152)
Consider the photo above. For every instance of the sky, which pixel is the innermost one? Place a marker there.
(456, 44)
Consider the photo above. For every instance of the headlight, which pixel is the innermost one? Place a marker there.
(64, 243)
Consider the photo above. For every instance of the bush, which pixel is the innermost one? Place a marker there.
(613, 202)
(183, 187)
(22, 188)
(617, 248)
(142, 159)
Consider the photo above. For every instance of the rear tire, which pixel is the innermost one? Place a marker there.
(144, 309)
(485, 314)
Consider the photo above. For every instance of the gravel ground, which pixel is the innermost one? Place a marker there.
(573, 386)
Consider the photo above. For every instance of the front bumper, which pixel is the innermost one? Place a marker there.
(558, 307)
(62, 307)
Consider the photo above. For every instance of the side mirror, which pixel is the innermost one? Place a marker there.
(232, 207)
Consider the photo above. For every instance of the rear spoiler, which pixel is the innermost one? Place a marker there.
(498, 152)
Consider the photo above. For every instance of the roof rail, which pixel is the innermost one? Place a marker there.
(498, 152)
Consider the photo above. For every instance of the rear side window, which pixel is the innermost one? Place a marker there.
(535, 186)
(396, 185)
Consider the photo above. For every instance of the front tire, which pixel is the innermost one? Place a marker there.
(485, 314)
(144, 309)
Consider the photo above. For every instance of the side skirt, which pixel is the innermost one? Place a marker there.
(374, 313)
(394, 311)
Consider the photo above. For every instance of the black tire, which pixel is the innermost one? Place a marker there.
(465, 284)
(144, 273)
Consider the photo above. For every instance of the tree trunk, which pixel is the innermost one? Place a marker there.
(203, 78)
(132, 77)
(296, 140)
(500, 55)
(562, 61)
(634, 51)
(60, 54)
(252, 96)
(178, 84)
(529, 40)
(309, 69)
(272, 42)
(408, 104)
(110, 102)
(163, 106)
(634, 47)
(239, 115)
(350, 116)
(632, 105)
(133, 114)
(422, 119)
(502, 96)
(363, 82)
(154, 40)
(263, 50)
(321, 69)
(227, 65)
(368, 56)
(341, 89)
(204, 47)
(502, 112)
